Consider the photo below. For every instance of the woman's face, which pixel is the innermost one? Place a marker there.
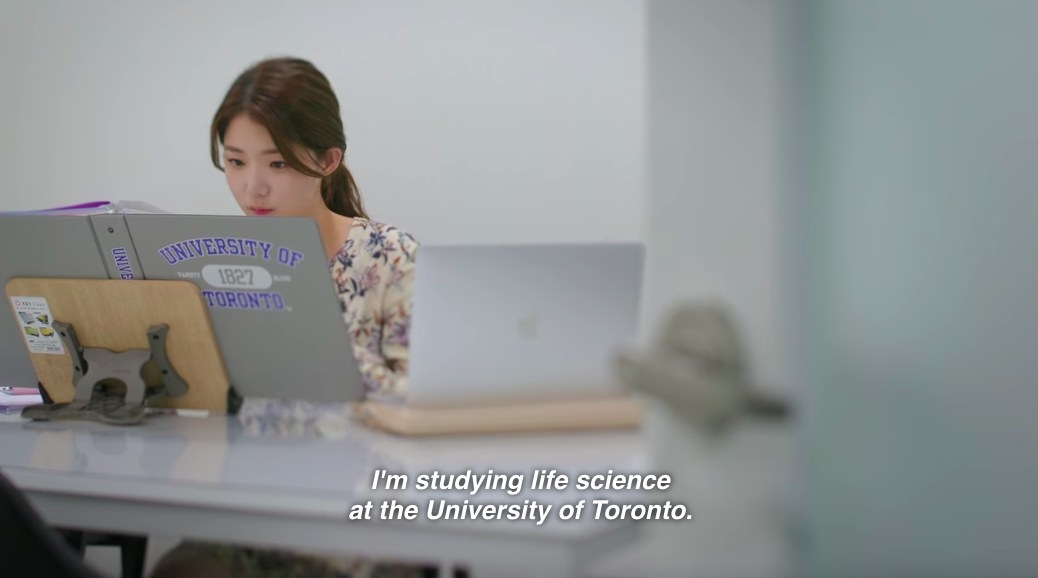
(261, 180)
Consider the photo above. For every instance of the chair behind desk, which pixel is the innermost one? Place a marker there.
(28, 548)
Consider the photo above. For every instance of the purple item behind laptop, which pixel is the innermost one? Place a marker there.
(93, 208)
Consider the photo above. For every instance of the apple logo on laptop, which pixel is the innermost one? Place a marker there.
(526, 327)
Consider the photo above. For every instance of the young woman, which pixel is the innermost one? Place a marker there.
(278, 137)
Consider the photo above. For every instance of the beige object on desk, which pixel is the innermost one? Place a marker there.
(579, 414)
(116, 315)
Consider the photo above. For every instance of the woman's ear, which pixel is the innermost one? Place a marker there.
(331, 160)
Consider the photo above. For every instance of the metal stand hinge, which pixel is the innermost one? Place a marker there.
(114, 387)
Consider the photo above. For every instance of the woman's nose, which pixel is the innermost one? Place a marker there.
(255, 184)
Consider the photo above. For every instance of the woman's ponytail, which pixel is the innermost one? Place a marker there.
(341, 195)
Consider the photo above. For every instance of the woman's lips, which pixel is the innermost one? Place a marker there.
(262, 211)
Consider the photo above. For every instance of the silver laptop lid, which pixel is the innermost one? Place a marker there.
(518, 322)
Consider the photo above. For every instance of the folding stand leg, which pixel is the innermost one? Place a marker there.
(94, 367)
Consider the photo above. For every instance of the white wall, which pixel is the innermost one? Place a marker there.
(466, 120)
(716, 217)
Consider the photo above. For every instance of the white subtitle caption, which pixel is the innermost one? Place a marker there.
(634, 496)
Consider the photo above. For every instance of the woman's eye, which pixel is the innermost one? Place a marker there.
(234, 162)
(279, 164)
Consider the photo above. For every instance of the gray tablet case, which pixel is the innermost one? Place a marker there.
(39, 246)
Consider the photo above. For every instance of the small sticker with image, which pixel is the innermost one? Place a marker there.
(35, 317)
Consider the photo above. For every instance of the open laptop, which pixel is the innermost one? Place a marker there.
(517, 323)
(271, 300)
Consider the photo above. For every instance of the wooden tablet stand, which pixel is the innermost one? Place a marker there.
(128, 345)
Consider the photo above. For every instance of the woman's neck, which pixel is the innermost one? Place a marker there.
(334, 229)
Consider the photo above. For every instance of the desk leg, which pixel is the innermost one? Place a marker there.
(76, 539)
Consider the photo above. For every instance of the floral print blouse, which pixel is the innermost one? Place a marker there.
(374, 274)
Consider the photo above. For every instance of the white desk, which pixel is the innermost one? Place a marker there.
(210, 478)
